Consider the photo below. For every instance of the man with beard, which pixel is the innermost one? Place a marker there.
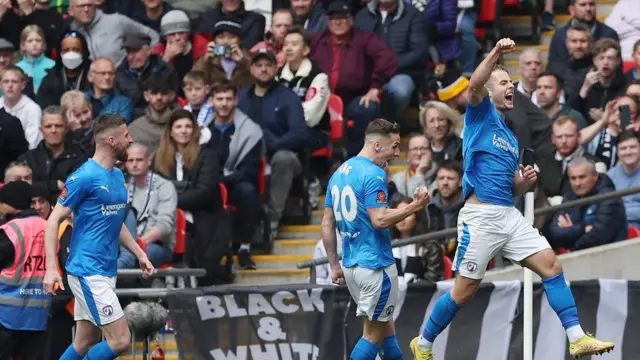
(310, 15)
(549, 93)
(446, 202)
(279, 112)
(575, 68)
(583, 12)
(626, 175)
(97, 195)
(159, 92)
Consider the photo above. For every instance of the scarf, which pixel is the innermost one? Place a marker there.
(245, 137)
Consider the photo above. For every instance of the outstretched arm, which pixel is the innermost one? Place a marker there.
(329, 238)
(480, 76)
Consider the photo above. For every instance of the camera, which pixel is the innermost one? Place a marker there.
(222, 50)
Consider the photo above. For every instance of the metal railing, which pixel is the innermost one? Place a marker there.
(453, 231)
(131, 273)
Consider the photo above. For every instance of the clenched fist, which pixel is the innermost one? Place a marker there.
(505, 46)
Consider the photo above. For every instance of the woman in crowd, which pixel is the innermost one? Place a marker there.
(70, 70)
(440, 123)
(420, 261)
(77, 112)
(420, 170)
(184, 158)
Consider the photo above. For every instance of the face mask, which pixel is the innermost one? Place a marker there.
(72, 60)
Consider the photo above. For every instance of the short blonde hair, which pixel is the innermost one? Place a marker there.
(28, 30)
(446, 111)
(73, 99)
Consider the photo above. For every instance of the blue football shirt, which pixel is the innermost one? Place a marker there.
(98, 198)
(356, 186)
(490, 151)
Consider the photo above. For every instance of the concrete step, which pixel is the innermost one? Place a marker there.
(300, 246)
(560, 19)
(300, 231)
(512, 66)
(271, 276)
(544, 49)
(275, 261)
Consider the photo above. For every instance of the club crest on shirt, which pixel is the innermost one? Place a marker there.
(63, 194)
(381, 198)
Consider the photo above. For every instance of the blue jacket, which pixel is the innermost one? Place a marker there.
(404, 31)
(608, 219)
(442, 17)
(281, 117)
(558, 49)
(111, 104)
(316, 21)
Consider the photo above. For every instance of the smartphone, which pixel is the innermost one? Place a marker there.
(222, 50)
(528, 157)
(625, 116)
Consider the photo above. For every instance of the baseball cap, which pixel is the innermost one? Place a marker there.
(16, 194)
(263, 53)
(135, 41)
(228, 26)
(5, 45)
(339, 7)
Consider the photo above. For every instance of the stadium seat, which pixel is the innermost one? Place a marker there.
(448, 273)
(224, 195)
(633, 232)
(181, 235)
(336, 113)
(628, 65)
(561, 250)
(262, 177)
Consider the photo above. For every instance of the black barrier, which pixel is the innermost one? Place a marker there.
(319, 322)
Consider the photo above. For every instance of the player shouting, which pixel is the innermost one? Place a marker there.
(489, 223)
(356, 203)
(97, 195)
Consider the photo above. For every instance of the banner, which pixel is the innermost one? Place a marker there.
(488, 328)
(284, 322)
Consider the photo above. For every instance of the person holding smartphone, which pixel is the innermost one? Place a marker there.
(225, 58)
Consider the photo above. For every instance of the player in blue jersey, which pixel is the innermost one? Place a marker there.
(489, 224)
(96, 194)
(356, 203)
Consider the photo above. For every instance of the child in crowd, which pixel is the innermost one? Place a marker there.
(34, 63)
(196, 90)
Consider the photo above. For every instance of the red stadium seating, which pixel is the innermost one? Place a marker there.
(633, 232)
(448, 273)
(181, 234)
(628, 65)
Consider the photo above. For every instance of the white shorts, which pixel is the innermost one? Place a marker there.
(95, 299)
(484, 231)
(374, 291)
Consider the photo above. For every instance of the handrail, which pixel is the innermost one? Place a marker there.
(453, 231)
(197, 272)
(143, 293)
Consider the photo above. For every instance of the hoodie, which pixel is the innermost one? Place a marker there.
(443, 217)
(608, 220)
(148, 129)
(29, 114)
(105, 35)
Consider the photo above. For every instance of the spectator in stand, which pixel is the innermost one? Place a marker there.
(624, 18)
(196, 90)
(19, 105)
(633, 89)
(139, 65)
(281, 21)
(530, 125)
(252, 23)
(226, 59)
(530, 67)
(34, 63)
(446, 202)
(149, 12)
(308, 82)
(286, 134)
(310, 15)
(41, 200)
(603, 83)
(549, 96)
(12, 139)
(403, 29)
(238, 141)
(627, 174)
(442, 31)
(31, 12)
(18, 170)
(184, 158)
(420, 170)
(552, 168)
(419, 261)
(159, 93)
(323, 272)
(440, 123)
(573, 70)
(77, 114)
(358, 64)
(102, 94)
(590, 225)
(632, 74)
(71, 71)
(583, 12)
(154, 200)
(180, 47)
(52, 161)
(107, 29)
(7, 58)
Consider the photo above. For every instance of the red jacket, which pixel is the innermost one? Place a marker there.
(198, 47)
(366, 62)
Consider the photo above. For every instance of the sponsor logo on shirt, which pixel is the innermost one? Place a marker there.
(111, 210)
(503, 144)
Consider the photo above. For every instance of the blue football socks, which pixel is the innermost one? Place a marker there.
(443, 313)
(364, 350)
(391, 349)
(561, 301)
(71, 354)
(101, 351)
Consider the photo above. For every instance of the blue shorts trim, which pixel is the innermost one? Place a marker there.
(464, 244)
(384, 295)
(88, 298)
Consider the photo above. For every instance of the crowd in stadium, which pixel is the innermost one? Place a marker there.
(229, 111)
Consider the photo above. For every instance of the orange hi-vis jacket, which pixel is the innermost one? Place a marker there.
(24, 305)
